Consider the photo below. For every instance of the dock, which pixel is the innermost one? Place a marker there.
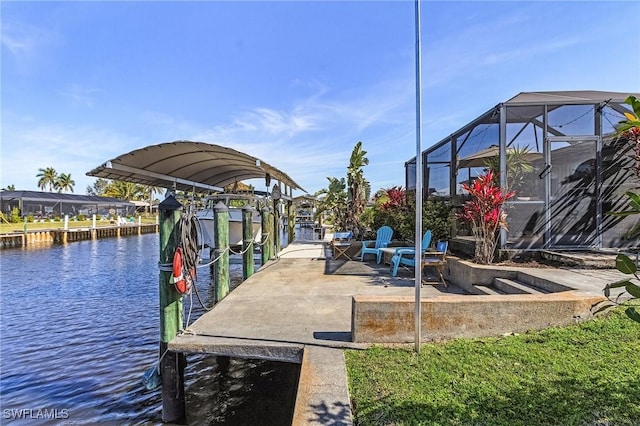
(300, 308)
(297, 308)
(37, 237)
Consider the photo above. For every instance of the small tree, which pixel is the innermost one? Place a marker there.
(485, 215)
(357, 187)
(334, 203)
(345, 200)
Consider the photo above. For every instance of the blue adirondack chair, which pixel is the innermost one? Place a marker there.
(406, 255)
(383, 239)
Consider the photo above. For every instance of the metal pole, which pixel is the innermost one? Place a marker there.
(172, 364)
(418, 248)
(247, 241)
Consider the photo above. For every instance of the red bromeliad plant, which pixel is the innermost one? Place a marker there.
(485, 215)
(393, 197)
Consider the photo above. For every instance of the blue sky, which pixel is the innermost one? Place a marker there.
(296, 84)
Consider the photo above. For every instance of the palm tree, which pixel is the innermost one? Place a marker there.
(359, 188)
(151, 191)
(9, 188)
(99, 187)
(124, 190)
(47, 177)
(334, 202)
(518, 165)
(64, 182)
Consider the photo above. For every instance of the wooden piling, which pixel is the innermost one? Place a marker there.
(247, 241)
(265, 251)
(221, 252)
(291, 221)
(172, 364)
(276, 227)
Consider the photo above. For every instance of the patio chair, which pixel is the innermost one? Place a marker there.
(406, 255)
(341, 243)
(437, 259)
(383, 239)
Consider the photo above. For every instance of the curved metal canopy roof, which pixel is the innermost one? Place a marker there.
(186, 164)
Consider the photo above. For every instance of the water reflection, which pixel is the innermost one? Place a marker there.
(80, 326)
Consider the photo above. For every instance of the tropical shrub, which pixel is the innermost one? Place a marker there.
(344, 200)
(485, 214)
(15, 215)
(396, 208)
(629, 129)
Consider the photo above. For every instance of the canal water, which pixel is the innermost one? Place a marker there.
(79, 326)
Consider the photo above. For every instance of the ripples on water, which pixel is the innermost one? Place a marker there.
(80, 325)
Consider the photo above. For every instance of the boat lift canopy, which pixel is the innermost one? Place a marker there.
(185, 165)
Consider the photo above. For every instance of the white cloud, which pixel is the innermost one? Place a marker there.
(28, 146)
(80, 96)
(313, 139)
(26, 42)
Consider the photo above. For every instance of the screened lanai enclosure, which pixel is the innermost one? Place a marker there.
(558, 151)
(49, 205)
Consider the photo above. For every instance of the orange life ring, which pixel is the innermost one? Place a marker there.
(182, 285)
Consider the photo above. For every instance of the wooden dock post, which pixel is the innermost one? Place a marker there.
(276, 227)
(266, 251)
(247, 241)
(221, 267)
(291, 220)
(172, 364)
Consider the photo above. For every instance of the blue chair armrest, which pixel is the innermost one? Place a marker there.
(365, 242)
(404, 250)
(384, 245)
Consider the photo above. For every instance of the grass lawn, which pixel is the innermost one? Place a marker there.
(588, 374)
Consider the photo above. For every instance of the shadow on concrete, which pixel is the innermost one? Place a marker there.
(334, 336)
(334, 413)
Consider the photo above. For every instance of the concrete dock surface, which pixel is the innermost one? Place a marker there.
(297, 308)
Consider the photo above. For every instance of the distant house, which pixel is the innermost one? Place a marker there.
(51, 204)
(559, 152)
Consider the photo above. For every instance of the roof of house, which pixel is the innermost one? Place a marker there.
(58, 197)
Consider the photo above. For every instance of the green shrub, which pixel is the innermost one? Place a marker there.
(98, 217)
(30, 218)
(15, 215)
(436, 216)
(81, 217)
